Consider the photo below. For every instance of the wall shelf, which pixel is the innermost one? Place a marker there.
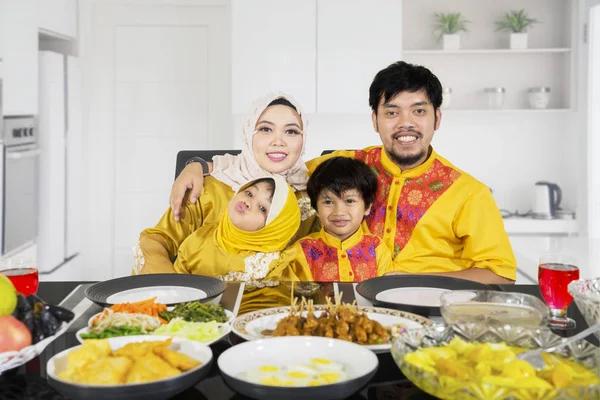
(438, 52)
(530, 226)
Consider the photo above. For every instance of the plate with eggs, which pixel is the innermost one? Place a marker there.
(297, 367)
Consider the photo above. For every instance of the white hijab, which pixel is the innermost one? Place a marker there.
(236, 171)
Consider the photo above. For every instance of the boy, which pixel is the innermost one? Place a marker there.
(342, 190)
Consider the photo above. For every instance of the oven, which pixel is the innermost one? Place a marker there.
(20, 181)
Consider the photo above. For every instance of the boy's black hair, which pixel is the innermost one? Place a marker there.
(339, 174)
(404, 77)
(270, 184)
(282, 102)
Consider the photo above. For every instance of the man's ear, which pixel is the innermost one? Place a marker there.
(438, 118)
(374, 119)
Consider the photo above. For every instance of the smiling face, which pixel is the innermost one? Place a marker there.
(277, 142)
(341, 216)
(406, 124)
(249, 208)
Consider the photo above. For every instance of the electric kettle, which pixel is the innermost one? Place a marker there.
(547, 200)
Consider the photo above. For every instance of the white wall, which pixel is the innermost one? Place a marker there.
(508, 151)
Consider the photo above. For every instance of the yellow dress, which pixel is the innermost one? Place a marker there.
(231, 254)
(435, 217)
(158, 246)
(324, 258)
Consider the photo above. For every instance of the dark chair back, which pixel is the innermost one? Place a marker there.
(185, 155)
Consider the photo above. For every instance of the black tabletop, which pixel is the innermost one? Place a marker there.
(29, 381)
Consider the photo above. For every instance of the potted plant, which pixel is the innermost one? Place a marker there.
(516, 22)
(448, 26)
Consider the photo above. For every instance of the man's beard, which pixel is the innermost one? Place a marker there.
(407, 161)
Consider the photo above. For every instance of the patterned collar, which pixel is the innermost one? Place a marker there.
(392, 168)
(349, 243)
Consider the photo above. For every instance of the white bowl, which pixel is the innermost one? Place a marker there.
(360, 365)
(160, 389)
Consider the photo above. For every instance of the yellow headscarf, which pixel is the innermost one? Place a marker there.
(282, 223)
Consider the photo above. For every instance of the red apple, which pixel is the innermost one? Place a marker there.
(14, 335)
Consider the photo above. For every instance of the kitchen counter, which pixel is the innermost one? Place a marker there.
(585, 250)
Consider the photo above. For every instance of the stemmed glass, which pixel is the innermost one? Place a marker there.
(555, 272)
(23, 275)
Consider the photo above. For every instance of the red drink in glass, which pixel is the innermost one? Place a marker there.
(554, 280)
(25, 280)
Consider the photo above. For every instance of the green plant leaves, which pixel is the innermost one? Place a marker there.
(516, 21)
(449, 24)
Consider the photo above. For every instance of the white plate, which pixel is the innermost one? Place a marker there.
(225, 328)
(418, 296)
(249, 326)
(163, 294)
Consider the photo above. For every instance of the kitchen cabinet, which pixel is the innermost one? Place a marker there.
(19, 52)
(58, 17)
(355, 40)
(51, 236)
(548, 62)
(273, 48)
(74, 162)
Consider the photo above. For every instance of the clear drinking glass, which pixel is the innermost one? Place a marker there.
(23, 275)
(555, 272)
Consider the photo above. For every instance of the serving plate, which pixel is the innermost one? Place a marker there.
(169, 289)
(418, 294)
(250, 326)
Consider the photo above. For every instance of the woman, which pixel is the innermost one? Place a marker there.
(273, 142)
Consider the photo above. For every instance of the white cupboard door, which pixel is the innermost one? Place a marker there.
(58, 17)
(19, 53)
(273, 48)
(74, 163)
(160, 84)
(51, 136)
(356, 39)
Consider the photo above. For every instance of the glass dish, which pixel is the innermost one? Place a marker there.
(446, 387)
(586, 293)
(493, 308)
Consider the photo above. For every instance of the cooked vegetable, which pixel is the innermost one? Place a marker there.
(199, 331)
(116, 331)
(111, 319)
(196, 311)
(148, 307)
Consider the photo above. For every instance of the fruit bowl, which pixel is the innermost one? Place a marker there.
(33, 324)
(586, 293)
(446, 386)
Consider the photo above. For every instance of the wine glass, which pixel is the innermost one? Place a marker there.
(555, 272)
(23, 275)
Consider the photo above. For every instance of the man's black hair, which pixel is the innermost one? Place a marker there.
(340, 174)
(404, 77)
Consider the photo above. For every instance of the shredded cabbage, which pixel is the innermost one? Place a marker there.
(111, 319)
(199, 331)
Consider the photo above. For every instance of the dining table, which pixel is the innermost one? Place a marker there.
(28, 382)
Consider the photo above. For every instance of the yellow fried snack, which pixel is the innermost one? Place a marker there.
(496, 363)
(94, 364)
(150, 368)
(177, 360)
(104, 371)
(137, 350)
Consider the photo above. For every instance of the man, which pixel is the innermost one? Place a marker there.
(436, 218)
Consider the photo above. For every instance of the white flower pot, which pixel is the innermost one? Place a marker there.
(518, 41)
(452, 42)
